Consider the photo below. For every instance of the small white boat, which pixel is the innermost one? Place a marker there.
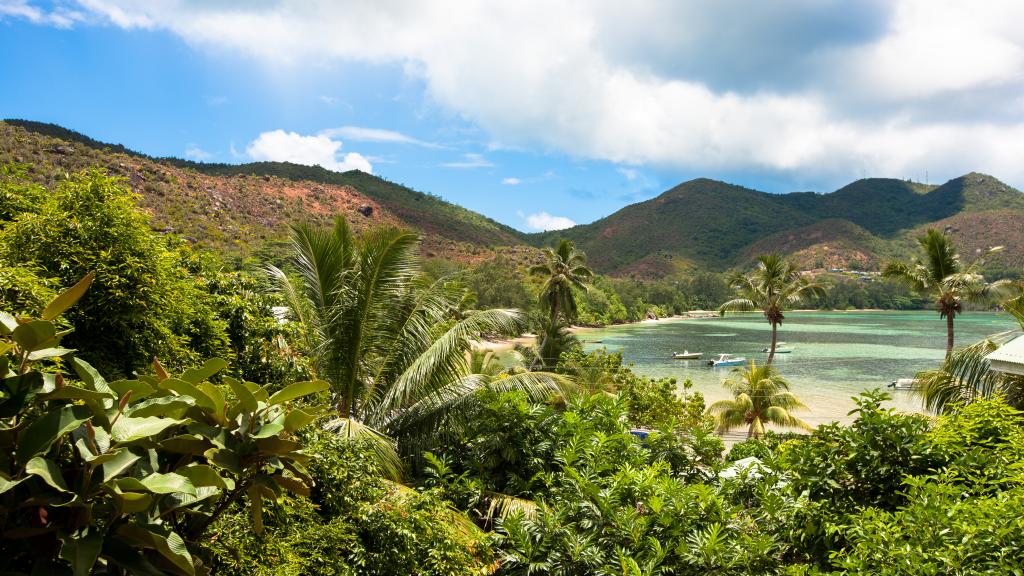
(904, 384)
(778, 349)
(727, 360)
(686, 355)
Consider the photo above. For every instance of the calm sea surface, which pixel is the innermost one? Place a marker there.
(836, 354)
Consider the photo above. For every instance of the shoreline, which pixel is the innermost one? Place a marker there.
(504, 345)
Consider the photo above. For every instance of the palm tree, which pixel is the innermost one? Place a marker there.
(966, 375)
(941, 276)
(387, 340)
(760, 395)
(565, 268)
(772, 287)
(553, 338)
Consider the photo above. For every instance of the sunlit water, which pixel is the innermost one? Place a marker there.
(836, 354)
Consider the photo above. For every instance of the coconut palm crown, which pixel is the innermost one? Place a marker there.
(940, 275)
(772, 287)
(387, 340)
(564, 268)
(760, 396)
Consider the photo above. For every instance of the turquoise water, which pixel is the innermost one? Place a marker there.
(836, 354)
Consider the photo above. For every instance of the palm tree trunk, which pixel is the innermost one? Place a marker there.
(949, 334)
(775, 338)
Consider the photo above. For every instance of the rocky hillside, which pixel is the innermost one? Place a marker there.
(241, 208)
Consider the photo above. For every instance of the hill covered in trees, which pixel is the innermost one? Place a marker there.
(702, 224)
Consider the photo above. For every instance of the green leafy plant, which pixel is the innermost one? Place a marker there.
(126, 474)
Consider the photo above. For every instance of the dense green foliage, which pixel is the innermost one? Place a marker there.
(124, 474)
(592, 469)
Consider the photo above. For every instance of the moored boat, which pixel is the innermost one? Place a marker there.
(686, 355)
(727, 360)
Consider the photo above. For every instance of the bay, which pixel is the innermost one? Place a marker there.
(836, 355)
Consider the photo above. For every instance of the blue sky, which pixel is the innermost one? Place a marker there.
(536, 114)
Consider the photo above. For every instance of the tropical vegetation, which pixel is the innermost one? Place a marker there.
(351, 428)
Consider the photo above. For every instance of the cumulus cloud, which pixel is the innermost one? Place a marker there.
(59, 17)
(545, 221)
(281, 146)
(469, 161)
(511, 181)
(193, 152)
(814, 87)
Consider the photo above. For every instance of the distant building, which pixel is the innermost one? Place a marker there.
(1009, 358)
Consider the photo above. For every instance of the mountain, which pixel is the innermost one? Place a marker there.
(713, 225)
(237, 208)
(703, 224)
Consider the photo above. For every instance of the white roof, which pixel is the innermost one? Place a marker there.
(1009, 357)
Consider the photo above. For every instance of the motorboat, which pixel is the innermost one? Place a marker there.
(905, 384)
(686, 355)
(727, 360)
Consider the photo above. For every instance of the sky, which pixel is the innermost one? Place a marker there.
(538, 114)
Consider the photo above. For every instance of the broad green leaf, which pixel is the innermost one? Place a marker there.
(67, 298)
(90, 376)
(166, 542)
(140, 390)
(120, 461)
(17, 391)
(298, 419)
(7, 323)
(47, 471)
(276, 445)
(41, 434)
(188, 389)
(243, 394)
(258, 391)
(81, 550)
(179, 500)
(5, 347)
(186, 444)
(75, 393)
(218, 399)
(204, 475)
(130, 429)
(46, 353)
(133, 502)
(6, 484)
(167, 406)
(268, 430)
(35, 335)
(168, 483)
(227, 459)
(129, 485)
(211, 367)
(298, 390)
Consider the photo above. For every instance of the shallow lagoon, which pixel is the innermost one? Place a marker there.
(836, 354)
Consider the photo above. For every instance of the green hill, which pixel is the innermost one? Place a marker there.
(713, 225)
(702, 223)
(237, 207)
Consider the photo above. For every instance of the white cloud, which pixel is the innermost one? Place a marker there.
(362, 134)
(888, 88)
(59, 17)
(469, 162)
(281, 146)
(629, 173)
(196, 153)
(511, 181)
(545, 221)
(329, 100)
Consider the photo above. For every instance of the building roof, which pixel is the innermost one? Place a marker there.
(1009, 357)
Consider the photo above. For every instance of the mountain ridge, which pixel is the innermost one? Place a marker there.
(697, 224)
